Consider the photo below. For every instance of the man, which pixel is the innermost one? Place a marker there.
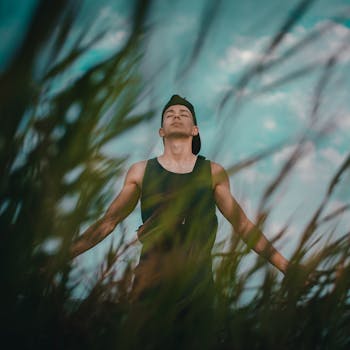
(179, 191)
(173, 296)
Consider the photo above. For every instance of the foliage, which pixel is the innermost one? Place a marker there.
(51, 140)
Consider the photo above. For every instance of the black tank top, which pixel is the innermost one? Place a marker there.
(181, 206)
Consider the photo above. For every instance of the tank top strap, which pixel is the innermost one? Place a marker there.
(202, 171)
(150, 170)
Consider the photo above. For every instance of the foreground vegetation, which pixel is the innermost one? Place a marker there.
(51, 152)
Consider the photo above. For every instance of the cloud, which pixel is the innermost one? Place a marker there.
(343, 121)
(244, 52)
(272, 98)
(314, 165)
(300, 103)
(252, 174)
(270, 124)
(112, 40)
(283, 154)
(334, 38)
(335, 204)
(236, 58)
(108, 16)
(332, 155)
(116, 26)
(314, 169)
(247, 50)
(306, 166)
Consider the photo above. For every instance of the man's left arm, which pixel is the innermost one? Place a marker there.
(248, 231)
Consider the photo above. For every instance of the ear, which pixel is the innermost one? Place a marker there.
(161, 132)
(195, 130)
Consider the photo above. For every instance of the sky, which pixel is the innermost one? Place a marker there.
(270, 111)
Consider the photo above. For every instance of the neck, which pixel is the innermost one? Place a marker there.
(178, 150)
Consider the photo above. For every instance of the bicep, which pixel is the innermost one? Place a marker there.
(126, 200)
(224, 200)
(124, 203)
(228, 205)
(222, 193)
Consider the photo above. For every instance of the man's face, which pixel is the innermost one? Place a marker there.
(178, 121)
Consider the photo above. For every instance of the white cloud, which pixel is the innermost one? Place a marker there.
(247, 50)
(332, 155)
(243, 52)
(314, 169)
(272, 98)
(313, 165)
(236, 58)
(343, 122)
(112, 40)
(270, 124)
(117, 29)
(333, 39)
(306, 166)
(251, 175)
(336, 35)
(283, 154)
(300, 102)
(108, 15)
(335, 204)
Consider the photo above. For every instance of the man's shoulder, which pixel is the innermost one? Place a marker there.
(216, 168)
(218, 173)
(138, 167)
(136, 171)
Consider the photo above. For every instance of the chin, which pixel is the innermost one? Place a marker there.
(179, 134)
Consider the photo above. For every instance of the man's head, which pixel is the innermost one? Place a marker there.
(178, 107)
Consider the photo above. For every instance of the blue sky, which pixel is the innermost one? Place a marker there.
(239, 34)
(236, 41)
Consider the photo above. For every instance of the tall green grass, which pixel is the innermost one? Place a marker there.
(51, 139)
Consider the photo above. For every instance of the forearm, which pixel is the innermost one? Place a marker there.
(264, 248)
(92, 236)
(257, 241)
(250, 233)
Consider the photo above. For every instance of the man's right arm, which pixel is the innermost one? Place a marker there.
(119, 209)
